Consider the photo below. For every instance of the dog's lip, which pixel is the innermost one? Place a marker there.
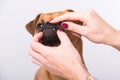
(49, 33)
(59, 23)
(45, 26)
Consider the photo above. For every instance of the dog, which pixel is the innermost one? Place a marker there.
(50, 38)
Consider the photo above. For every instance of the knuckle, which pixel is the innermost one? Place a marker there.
(33, 61)
(29, 52)
(46, 55)
(31, 44)
(85, 32)
(91, 10)
(68, 14)
(90, 13)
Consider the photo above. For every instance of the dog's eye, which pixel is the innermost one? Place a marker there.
(40, 25)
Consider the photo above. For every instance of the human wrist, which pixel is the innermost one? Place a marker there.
(111, 37)
(114, 39)
(79, 72)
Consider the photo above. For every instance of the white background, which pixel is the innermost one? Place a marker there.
(15, 63)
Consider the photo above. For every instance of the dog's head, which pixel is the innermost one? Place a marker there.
(41, 24)
(50, 38)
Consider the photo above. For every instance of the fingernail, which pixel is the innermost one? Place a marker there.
(64, 25)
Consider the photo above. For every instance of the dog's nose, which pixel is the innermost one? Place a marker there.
(49, 30)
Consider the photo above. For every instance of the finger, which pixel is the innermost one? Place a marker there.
(36, 62)
(46, 66)
(37, 57)
(76, 28)
(37, 46)
(37, 36)
(40, 48)
(75, 34)
(63, 37)
(67, 16)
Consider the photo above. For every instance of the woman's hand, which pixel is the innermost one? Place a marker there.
(63, 60)
(94, 27)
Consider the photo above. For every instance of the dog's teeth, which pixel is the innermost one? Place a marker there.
(53, 29)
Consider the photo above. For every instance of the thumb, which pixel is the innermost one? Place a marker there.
(63, 37)
(37, 36)
(76, 28)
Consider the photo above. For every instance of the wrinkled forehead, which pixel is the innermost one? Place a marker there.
(46, 17)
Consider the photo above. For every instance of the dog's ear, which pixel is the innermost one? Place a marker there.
(31, 25)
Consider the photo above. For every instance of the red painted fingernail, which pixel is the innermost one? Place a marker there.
(64, 25)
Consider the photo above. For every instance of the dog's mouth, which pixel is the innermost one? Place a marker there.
(49, 30)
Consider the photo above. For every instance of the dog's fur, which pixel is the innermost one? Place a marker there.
(33, 28)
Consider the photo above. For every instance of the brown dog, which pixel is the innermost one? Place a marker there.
(41, 24)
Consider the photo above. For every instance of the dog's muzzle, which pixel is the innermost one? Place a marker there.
(49, 30)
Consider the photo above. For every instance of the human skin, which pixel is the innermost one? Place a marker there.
(94, 28)
(63, 60)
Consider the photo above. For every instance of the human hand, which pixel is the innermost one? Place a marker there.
(63, 60)
(94, 27)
